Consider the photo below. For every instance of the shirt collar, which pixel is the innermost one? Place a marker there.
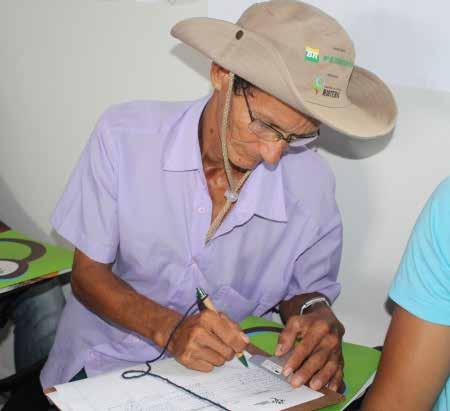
(182, 152)
(263, 194)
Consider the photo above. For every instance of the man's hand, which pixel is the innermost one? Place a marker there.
(318, 357)
(206, 340)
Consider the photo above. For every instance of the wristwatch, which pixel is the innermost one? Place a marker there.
(313, 301)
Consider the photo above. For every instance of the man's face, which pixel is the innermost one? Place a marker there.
(246, 148)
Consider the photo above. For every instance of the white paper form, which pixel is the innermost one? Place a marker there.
(233, 386)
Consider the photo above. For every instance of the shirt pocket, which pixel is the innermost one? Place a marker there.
(235, 305)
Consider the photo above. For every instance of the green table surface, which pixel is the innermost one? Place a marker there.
(360, 361)
(55, 259)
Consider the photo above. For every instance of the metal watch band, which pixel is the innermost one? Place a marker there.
(313, 301)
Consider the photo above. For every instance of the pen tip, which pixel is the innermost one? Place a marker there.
(243, 360)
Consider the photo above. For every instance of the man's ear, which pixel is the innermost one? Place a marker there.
(219, 77)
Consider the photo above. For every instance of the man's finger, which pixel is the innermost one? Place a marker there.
(337, 380)
(200, 365)
(313, 364)
(230, 333)
(289, 334)
(326, 373)
(188, 360)
(214, 343)
(302, 350)
(210, 356)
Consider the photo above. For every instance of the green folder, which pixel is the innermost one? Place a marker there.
(360, 362)
(24, 260)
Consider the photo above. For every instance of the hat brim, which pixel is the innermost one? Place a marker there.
(372, 111)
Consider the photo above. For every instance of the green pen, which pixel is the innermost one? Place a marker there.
(204, 298)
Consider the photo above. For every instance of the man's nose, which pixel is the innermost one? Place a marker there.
(271, 152)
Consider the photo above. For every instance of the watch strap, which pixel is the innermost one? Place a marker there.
(313, 301)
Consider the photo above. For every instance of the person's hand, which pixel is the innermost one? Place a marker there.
(318, 357)
(207, 340)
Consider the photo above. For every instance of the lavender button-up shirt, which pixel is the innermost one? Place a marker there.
(139, 197)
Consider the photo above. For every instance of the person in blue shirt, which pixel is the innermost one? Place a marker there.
(415, 365)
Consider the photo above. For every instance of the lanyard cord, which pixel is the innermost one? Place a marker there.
(232, 193)
(131, 374)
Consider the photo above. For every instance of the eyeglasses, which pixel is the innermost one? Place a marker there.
(269, 133)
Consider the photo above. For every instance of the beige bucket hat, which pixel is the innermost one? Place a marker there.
(302, 56)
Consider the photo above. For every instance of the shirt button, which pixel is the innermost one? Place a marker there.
(201, 210)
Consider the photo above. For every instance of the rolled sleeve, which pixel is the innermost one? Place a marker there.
(316, 269)
(86, 214)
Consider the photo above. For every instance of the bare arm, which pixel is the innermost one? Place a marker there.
(203, 341)
(414, 366)
(99, 289)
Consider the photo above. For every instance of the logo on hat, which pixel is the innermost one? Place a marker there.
(312, 55)
(318, 84)
(338, 60)
(331, 92)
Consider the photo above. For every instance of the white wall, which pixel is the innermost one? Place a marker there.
(63, 62)
(380, 197)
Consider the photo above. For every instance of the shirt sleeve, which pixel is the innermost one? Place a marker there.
(422, 282)
(86, 214)
(316, 269)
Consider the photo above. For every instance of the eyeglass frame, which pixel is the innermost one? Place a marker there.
(280, 135)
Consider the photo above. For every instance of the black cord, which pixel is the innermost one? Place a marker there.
(131, 374)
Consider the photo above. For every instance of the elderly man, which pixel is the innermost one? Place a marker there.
(219, 193)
